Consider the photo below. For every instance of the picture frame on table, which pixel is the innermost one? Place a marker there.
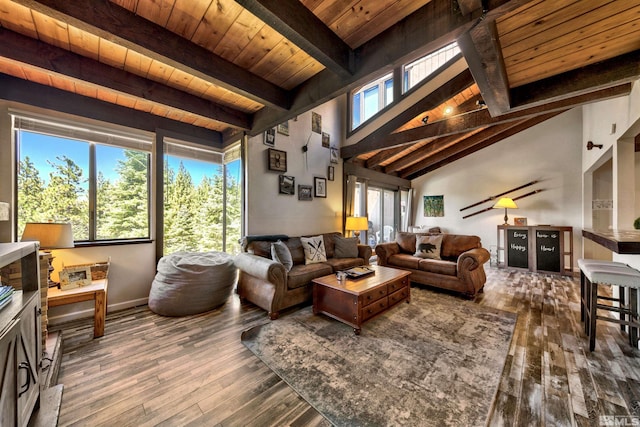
(305, 192)
(277, 160)
(520, 222)
(287, 185)
(320, 187)
(75, 276)
(331, 173)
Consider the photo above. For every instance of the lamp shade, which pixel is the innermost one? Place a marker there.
(507, 203)
(356, 223)
(51, 235)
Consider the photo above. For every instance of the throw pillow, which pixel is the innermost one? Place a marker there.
(280, 252)
(428, 246)
(313, 249)
(346, 247)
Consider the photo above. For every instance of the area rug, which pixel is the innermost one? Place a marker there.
(434, 362)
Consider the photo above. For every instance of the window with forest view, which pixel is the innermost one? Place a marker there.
(100, 188)
(202, 199)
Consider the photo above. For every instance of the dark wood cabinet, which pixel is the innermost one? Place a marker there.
(539, 248)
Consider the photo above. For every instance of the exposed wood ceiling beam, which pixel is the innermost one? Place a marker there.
(612, 72)
(468, 146)
(298, 24)
(50, 98)
(469, 6)
(482, 51)
(481, 118)
(441, 94)
(430, 27)
(105, 19)
(34, 53)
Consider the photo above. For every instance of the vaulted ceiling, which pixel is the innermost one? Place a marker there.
(247, 65)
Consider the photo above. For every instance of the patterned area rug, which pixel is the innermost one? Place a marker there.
(434, 362)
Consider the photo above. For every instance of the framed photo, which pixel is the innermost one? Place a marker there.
(270, 137)
(320, 187)
(283, 128)
(304, 192)
(521, 222)
(333, 155)
(277, 160)
(325, 140)
(330, 173)
(316, 122)
(74, 276)
(287, 185)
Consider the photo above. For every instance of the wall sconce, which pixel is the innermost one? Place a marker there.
(480, 103)
(591, 145)
(425, 119)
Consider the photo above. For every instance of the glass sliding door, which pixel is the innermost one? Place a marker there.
(381, 208)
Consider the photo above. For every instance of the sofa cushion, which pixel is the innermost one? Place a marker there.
(280, 252)
(454, 244)
(403, 261)
(314, 251)
(345, 247)
(301, 275)
(329, 244)
(297, 252)
(428, 246)
(407, 242)
(343, 263)
(438, 266)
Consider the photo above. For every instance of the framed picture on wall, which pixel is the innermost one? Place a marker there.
(333, 155)
(330, 173)
(287, 185)
(304, 192)
(320, 187)
(283, 128)
(270, 137)
(277, 160)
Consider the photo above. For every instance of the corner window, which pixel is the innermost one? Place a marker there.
(96, 179)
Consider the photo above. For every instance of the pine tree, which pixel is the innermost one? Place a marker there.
(179, 213)
(30, 191)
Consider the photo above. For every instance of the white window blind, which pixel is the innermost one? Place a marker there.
(192, 151)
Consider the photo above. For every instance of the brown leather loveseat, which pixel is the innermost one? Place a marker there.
(266, 282)
(460, 268)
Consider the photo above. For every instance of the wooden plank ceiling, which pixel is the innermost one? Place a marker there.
(245, 66)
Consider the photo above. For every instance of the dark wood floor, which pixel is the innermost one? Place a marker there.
(150, 370)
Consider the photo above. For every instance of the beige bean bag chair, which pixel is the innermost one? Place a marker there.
(192, 282)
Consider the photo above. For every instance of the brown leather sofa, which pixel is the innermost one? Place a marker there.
(460, 269)
(267, 284)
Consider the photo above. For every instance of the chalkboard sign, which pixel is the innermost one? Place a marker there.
(518, 248)
(548, 250)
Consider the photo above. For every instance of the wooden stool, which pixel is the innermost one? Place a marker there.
(615, 275)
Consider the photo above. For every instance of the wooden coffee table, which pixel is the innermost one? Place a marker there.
(354, 301)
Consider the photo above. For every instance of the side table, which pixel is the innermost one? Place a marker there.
(97, 291)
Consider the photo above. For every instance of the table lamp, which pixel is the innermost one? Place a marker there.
(51, 235)
(355, 224)
(506, 203)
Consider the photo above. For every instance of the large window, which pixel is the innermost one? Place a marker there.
(202, 198)
(418, 70)
(96, 179)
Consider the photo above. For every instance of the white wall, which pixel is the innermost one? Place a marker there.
(272, 213)
(549, 152)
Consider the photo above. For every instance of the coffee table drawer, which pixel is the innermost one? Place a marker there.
(372, 309)
(398, 284)
(399, 295)
(374, 295)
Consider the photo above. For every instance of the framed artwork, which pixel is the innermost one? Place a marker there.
(270, 137)
(287, 185)
(325, 140)
(316, 122)
(283, 128)
(433, 205)
(320, 187)
(74, 276)
(520, 222)
(330, 173)
(277, 160)
(333, 155)
(304, 192)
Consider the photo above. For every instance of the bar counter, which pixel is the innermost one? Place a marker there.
(619, 241)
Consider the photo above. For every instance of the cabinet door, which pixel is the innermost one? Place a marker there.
(28, 358)
(9, 391)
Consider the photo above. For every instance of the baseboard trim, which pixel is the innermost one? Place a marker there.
(84, 314)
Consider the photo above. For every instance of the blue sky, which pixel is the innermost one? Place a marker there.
(40, 148)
